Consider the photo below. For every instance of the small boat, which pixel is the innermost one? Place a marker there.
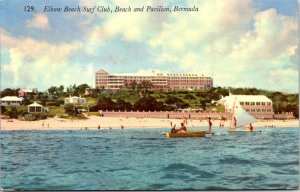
(240, 118)
(186, 134)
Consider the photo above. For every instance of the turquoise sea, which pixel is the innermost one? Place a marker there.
(144, 159)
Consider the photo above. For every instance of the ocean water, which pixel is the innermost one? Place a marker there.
(144, 159)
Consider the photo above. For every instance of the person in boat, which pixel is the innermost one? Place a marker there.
(173, 130)
(250, 127)
(182, 128)
(234, 122)
(209, 125)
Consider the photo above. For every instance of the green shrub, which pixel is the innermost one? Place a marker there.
(59, 102)
(3, 109)
(51, 103)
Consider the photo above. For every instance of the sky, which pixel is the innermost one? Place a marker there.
(239, 43)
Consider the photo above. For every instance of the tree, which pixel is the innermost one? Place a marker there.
(70, 109)
(60, 90)
(52, 90)
(3, 109)
(172, 100)
(35, 90)
(123, 105)
(26, 101)
(80, 90)
(105, 104)
(10, 92)
(13, 112)
(133, 85)
(144, 87)
(70, 89)
(148, 104)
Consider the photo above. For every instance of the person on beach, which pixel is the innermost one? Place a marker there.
(185, 121)
(209, 125)
(250, 127)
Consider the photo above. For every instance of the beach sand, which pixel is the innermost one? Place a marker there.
(117, 122)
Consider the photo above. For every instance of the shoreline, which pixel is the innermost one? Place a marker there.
(93, 122)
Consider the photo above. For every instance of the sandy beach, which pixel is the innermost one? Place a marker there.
(93, 122)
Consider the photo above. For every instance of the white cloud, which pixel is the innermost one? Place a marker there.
(40, 64)
(39, 21)
(129, 26)
(232, 42)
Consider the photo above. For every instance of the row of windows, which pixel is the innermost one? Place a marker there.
(141, 77)
(259, 110)
(255, 103)
(204, 81)
(10, 102)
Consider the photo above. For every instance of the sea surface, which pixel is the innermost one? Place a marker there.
(144, 159)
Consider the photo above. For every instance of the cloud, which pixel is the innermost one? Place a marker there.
(39, 21)
(129, 27)
(235, 43)
(40, 64)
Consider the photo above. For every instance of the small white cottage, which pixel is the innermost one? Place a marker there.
(35, 108)
(76, 100)
(11, 100)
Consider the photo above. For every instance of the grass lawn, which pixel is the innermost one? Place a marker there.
(55, 110)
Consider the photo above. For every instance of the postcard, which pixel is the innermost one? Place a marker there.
(149, 95)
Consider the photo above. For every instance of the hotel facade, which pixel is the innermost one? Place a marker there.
(159, 81)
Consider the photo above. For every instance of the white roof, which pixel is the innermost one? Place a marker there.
(151, 74)
(27, 90)
(11, 98)
(248, 98)
(35, 104)
(74, 97)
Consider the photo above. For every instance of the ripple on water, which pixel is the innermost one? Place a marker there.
(234, 160)
(173, 169)
(144, 159)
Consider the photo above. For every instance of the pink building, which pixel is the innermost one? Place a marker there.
(159, 81)
(25, 93)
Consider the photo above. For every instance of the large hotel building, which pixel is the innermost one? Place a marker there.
(159, 81)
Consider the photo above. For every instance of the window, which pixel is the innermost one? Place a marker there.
(246, 103)
(257, 103)
(258, 110)
(38, 109)
(252, 103)
(252, 110)
(263, 103)
(241, 103)
(268, 103)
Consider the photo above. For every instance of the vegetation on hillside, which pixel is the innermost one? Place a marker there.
(140, 97)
